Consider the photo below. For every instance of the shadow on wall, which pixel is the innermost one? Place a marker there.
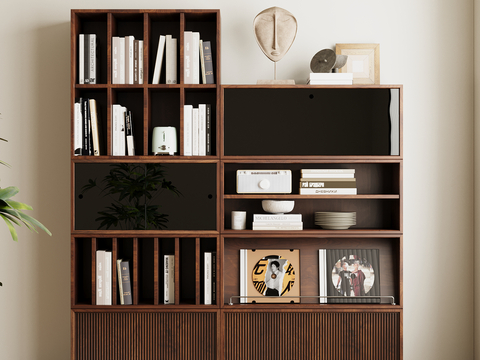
(50, 85)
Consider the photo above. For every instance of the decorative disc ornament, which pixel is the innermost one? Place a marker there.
(323, 61)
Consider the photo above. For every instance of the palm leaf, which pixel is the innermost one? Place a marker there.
(13, 232)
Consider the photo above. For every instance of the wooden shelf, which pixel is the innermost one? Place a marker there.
(311, 197)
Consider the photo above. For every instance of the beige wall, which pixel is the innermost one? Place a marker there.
(426, 45)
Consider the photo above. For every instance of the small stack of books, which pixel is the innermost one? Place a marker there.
(197, 130)
(328, 182)
(122, 131)
(277, 222)
(198, 60)
(330, 79)
(87, 137)
(127, 60)
(167, 44)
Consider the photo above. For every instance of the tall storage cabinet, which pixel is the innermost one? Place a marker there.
(199, 219)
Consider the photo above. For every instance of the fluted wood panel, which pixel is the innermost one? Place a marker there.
(322, 336)
(145, 336)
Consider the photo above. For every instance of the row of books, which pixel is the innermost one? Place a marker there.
(127, 60)
(330, 79)
(277, 222)
(103, 278)
(328, 182)
(123, 142)
(345, 276)
(87, 58)
(197, 130)
(86, 138)
(198, 60)
(168, 45)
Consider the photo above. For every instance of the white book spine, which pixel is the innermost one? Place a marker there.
(120, 283)
(328, 176)
(140, 61)
(202, 64)
(81, 58)
(115, 129)
(328, 171)
(323, 191)
(115, 55)
(207, 278)
(169, 279)
(279, 227)
(188, 53)
(121, 134)
(277, 223)
(195, 132)
(322, 261)
(100, 277)
(202, 129)
(170, 60)
(121, 60)
(187, 130)
(93, 57)
(277, 218)
(159, 60)
(108, 278)
(129, 59)
(78, 129)
(196, 57)
(243, 278)
(94, 124)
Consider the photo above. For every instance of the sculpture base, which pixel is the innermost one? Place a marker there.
(275, 82)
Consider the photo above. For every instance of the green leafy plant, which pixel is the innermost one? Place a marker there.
(12, 213)
(132, 189)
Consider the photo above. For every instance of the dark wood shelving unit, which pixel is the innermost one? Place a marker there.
(188, 329)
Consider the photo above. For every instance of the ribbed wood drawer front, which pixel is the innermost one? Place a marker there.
(325, 336)
(145, 336)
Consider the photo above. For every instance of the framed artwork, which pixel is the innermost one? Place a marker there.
(363, 61)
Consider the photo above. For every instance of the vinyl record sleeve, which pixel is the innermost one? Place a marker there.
(270, 272)
(349, 273)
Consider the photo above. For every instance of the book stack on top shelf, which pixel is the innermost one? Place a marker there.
(198, 61)
(328, 182)
(330, 79)
(277, 222)
(127, 60)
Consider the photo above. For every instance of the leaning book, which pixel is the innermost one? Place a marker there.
(349, 276)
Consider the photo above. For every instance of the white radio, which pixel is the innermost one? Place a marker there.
(264, 181)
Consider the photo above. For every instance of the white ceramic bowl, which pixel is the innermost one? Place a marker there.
(278, 206)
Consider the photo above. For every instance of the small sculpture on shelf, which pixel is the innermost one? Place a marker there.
(275, 30)
(326, 61)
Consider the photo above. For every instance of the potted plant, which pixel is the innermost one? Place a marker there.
(12, 213)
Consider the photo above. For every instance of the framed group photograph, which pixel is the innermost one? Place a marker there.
(363, 61)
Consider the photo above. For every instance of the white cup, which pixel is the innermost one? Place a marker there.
(239, 220)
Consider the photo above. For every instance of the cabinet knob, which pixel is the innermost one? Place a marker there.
(264, 184)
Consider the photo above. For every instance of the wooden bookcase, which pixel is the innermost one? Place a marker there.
(148, 329)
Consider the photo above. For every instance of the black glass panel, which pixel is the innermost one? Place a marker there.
(311, 121)
(145, 196)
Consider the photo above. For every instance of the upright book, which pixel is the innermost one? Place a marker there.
(349, 276)
(159, 60)
(124, 283)
(169, 279)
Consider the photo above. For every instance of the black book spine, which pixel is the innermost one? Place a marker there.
(127, 288)
(86, 59)
(208, 60)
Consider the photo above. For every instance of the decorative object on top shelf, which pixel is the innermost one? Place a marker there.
(326, 61)
(132, 187)
(164, 140)
(363, 61)
(239, 220)
(264, 181)
(12, 211)
(278, 206)
(275, 30)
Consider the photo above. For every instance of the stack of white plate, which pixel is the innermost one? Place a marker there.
(335, 220)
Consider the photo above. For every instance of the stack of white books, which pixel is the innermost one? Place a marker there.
(330, 79)
(277, 222)
(122, 131)
(328, 182)
(197, 133)
(197, 60)
(127, 60)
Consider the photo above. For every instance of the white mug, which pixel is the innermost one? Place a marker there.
(239, 220)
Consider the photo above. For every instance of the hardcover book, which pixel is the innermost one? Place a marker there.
(348, 274)
(270, 276)
(125, 288)
(159, 60)
(100, 277)
(169, 279)
(208, 61)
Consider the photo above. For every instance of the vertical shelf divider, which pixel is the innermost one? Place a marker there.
(110, 32)
(114, 270)
(177, 271)
(156, 270)
(94, 263)
(197, 271)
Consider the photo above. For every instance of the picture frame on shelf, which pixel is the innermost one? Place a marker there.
(363, 61)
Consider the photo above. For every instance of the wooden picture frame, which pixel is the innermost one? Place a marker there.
(363, 61)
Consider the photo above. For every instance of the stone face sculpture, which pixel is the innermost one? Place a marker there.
(275, 30)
